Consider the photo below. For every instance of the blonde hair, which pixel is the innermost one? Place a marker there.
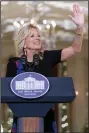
(19, 38)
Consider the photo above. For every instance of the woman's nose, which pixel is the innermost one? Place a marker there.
(37, 38)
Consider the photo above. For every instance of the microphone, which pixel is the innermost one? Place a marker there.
(30, 66)
(24, 59)
(36, 59)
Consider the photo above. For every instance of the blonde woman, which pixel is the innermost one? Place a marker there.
(33, 57)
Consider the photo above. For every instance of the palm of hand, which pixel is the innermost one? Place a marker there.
(78, 15)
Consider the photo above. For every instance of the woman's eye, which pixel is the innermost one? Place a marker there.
(33, 35)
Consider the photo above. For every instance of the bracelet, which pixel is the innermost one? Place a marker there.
(80, 30)
(79, 34)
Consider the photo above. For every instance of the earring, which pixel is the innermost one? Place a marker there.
(24, 51)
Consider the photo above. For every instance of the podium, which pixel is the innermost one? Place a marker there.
(61, 91)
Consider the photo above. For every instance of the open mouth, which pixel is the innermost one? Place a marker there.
(37, 42)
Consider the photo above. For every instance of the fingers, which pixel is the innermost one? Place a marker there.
(74, 10)
(82, 10)
(77, 10)
(71, 17)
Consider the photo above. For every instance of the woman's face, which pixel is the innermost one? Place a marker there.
(33, 40)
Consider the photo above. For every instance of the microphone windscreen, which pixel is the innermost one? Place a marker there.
(24, 59)
(36, 59)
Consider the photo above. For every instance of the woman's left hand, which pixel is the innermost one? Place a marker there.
(78, 15)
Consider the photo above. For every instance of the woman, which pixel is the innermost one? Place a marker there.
(33, 57)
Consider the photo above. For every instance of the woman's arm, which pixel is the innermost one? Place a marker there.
(76, 46)
(78, 19)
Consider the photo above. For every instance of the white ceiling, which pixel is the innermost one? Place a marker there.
(48, 10)
(25, 8)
